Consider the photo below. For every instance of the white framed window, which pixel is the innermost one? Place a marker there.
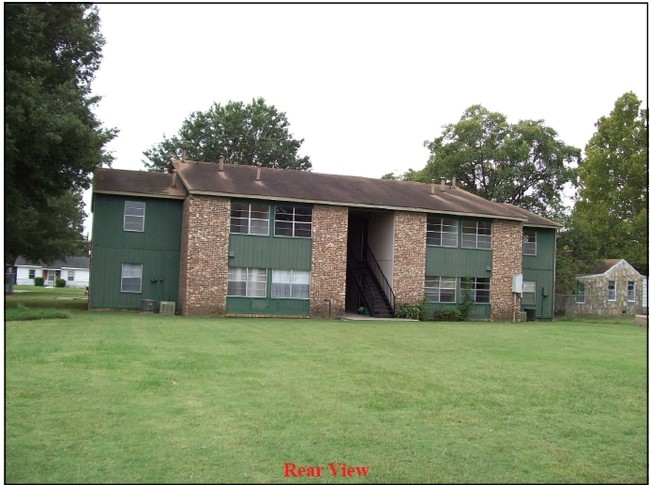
(440, 289)
(134, 216)
(611, 290)
(249, 218)
(442, 232)
(292, 221)
(70, 275)
(530, 242)
(528, 295)
(32, 274)
(247, 282)
(292, 284)
(580, 297)
(477, 234)
(631, 291)
(131, 280)
(477, 288)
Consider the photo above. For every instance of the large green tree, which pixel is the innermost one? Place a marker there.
(522, 163)
(53, 140)
(251, 134)
(613, 184)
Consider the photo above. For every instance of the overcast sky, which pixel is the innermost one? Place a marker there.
(366, 85)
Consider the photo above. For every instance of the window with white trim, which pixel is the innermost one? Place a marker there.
(247, 282)
(631, 291)
(442, 232)
(477, 234)
(32, 274)
(249, 218)
(580, 297)
(440, 289)
(134, 216)
(477, 288)
(611, 290)
(131, 280)
(70, 275)
(528, 293)
(292, 284)
(530, 242)
(292, 221)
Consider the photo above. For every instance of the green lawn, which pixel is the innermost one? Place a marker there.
(129, 397)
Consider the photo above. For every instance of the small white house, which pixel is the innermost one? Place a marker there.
(74, 270)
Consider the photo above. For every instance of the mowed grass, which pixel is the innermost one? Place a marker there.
(107, 397)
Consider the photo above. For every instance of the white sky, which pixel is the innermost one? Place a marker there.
(366, 85)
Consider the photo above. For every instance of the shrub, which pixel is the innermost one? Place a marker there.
(448, 315)
(60, 283)
(465, 307)
(413, 311)
(38, 281)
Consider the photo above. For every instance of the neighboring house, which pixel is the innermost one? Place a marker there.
(221, 239)
(74, 270)
(612, 288)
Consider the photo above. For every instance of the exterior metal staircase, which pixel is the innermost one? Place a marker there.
(376, 294)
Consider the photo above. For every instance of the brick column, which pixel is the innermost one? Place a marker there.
(409, 256)
(329, 240)
(204, 255)
(507, 257)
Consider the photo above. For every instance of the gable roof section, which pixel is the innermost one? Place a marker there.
(533, 220)
(73, 262)
(606, 266)
(136, 183)
(350, 191)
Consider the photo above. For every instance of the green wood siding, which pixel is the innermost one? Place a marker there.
(157, 248)
(458, 262)
(246, 251)
(541, 270)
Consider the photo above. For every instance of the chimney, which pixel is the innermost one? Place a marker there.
(221, 163)
(258, 177)
(433, 187)
(453, 182)
(173, 178)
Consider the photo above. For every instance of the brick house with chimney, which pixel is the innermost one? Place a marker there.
(221, 239)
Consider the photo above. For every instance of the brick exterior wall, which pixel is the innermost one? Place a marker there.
(204, 255)
(507, 258)
(410, 256)
(328, 261)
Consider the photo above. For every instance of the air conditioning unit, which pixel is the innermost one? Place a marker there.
(167, 307)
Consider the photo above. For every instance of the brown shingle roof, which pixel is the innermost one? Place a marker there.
(131, 182)
(240, 181)
(310, 187)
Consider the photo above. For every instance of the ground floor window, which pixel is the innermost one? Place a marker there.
(631, 291)
(611, 290)
(70, 275)
(131, 278)
(290, 284)
(32, 274)
(247, 282)
(477, 288)
(528, 294)
(440, 289)
(580, 298)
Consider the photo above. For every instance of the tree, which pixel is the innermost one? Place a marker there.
(612, 197)
(252, 134)
(53, 140)
(523, 163)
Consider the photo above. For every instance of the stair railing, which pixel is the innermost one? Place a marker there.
(381, 278)
(366, 292)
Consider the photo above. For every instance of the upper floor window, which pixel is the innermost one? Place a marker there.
(131, 278)
(249, 218)
(250, 282)
(530, 242)
(290, 284)
(631, 291)
(442, 232)
(293, 221)
(440, 289)
(477, 234)
(611, 290)
(134, 216)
